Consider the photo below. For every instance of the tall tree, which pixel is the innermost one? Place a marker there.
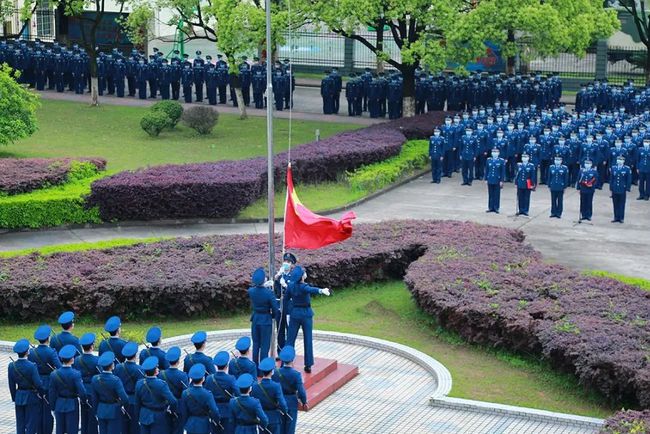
(641, 17)
(17, 108)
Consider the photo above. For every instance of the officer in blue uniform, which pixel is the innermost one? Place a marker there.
(281, 288)
(223, 387)
(165, 78)
(270, 395)
(177, 380)
(129, 373)
(222, 82)
(558, 180)
(108, 396)
(176, 73)
(66, 320)
(154, 337)
(437, 147)
(245, 77)
(242, 364)
(247, 411)
(468, 156)
(302, 315)
(66, 391)
(495, 175)
(265, 310)
(114, 343)
(26, 390)
(187, 79)
(620, 181)
(338, 87)
(211, 81)
(199, 76)
(643, 167)
(258, 81)
(141, 74)
(199, 339)
(154, 402)
(46, 360)
(292, 388)
(526, 181)
(197, 405)
(86, 364)
(587, 180)
(327, 93)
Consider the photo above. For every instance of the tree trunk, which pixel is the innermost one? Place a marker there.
(380, 45)
(94, 93)
(408, 101)
(510, 66)
(240, 104)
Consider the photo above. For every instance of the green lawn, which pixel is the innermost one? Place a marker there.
(70, 129)
(387, 311)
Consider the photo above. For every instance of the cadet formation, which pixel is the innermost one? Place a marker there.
(129, 388)
(607, 142)
(56, 67)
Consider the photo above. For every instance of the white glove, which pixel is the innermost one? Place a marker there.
(288, 318)
(325, 291)
(268, 284)
(283, 282)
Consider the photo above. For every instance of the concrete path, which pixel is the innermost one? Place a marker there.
(398, 390)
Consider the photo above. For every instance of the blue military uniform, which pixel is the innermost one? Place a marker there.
(177, 381)
(587, 180)
(292, 387)
(129, 373)
(327, 93)
(65, 337)
(66, 390)
(525, 180)
(495, 175)
(114, 344)
(247, 411)
(198, 357)
(558, 180)
(108, 396)
(153, 402)
(270, 395)
(26, 391)
(187, 79)
(281, 288)
(222, 78)
(242, 365)
(620, 181)
(643, 166)
(86, 364)
(46, 360)
(197, 405)
(245, 76)
(265, 309)
(437, 147)
(153, 337)
(223, 388)
(468, 151)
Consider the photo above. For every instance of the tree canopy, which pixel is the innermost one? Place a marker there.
(17, 108)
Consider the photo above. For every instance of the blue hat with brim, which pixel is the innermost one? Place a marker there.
(267, 364)
(258, 277)
(87, 339)
(112, 324)
(66, 317)
(154, 334)
(221, 358)
(173, 354)
(245, 381)
(68, 352)
(150, 363)
(297, 273)
(42, 332)
(197, 372)
(130, 349)
(288, 354)
(106, 359)
(199, 337)
(290, 257)
(21, 346)
(243, 343)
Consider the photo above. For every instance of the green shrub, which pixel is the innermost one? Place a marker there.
(54, 206)
(173, 109)
(634, 281)
(80, 247)
(201, 119)
(153, 122)
(413, 156)
(81, 170)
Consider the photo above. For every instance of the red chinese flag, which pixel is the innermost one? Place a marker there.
(305, 230)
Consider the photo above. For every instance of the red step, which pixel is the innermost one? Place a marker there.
(320, 390)
(321, 369)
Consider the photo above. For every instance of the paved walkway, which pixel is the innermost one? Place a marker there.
(392, 393)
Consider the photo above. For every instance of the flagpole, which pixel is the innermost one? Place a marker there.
(269, 168)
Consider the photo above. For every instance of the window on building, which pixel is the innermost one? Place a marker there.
(44, 20)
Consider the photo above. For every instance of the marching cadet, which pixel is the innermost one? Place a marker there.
(468, 156)
(269, 393)
(154, 337)
(66, 390)
(114, 343)
(197, 405)
(258, 80)
(129, 373)
(165, 79)
(141, 74)
(265, 310)
(302, 315)
(177, 381)
(587, 180)
(495, 175)
(280, 286)
(86, 364)
(176, 72)
(437, 146)
(46, 361)
(643, 167)
(199, 340)
(66, 320)
(108, 396)
(327, 93)
(558, 180)
(222, 78)
(246, 410)
(153, 401)
(620, 180)
(211, 82)
(26, 390)
(223, 387)
(245, 80)
(338, 87)
(525, 180)
(292, 387)
(242, 364)
(199, 76)
(187, 79)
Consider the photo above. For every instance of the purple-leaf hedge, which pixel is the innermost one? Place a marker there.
(628, 422)
(483, 282)
(223, 189)
(22, 175)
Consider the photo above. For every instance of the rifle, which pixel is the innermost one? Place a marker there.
(124, 412)
(212, 421)
(34, 389)
(168, 409)
(256, 419)
(33, 347)
(274, 402)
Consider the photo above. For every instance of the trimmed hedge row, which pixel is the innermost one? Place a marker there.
(22, 175)
(480, 281)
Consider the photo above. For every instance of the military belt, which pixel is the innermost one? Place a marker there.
(302, 305)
